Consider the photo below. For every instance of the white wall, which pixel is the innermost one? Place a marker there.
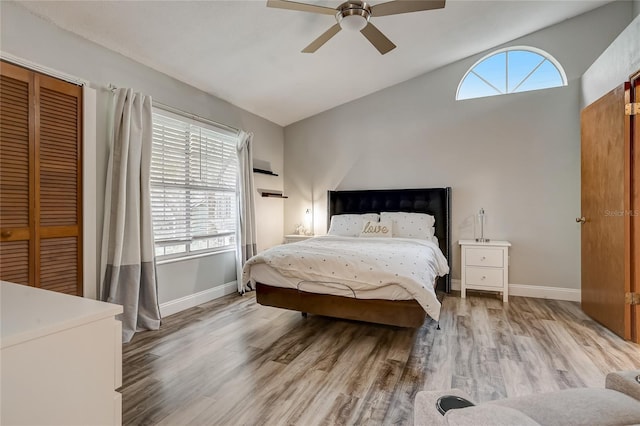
(517, 156)
(614, 66)
(270, 211)
(32, 38)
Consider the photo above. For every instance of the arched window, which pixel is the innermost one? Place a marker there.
(511, 70)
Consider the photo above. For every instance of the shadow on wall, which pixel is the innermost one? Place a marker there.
(466, 228)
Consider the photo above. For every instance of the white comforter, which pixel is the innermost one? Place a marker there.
(362, 264)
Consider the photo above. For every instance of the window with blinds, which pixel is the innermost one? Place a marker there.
(193, 186)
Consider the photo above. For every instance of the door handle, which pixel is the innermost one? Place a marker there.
(581, 219)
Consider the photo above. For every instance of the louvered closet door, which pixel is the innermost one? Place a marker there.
(40, 181)
(58, 186)
(16, 141)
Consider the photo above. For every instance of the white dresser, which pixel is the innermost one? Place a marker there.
(485, 266)
(60, 359)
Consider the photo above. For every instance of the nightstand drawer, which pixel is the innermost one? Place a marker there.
(294, 238)
(484, 257)
(484, 277)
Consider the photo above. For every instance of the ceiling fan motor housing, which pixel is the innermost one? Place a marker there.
(353, 15)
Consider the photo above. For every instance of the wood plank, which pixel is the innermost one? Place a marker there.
(60, 203)
(14, 266)
(13, 125)
(12, 231)
(59, 231)
(233, 361)
(14, 154)
(58, 273)
(14, 115)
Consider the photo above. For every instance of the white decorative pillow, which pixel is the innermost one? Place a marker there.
(350, 225)
(376, 229)
(410, 225)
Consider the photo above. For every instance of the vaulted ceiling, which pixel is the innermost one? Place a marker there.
(248, 54)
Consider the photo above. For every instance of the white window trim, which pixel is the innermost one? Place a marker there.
(166, 259)
(194, 119)
(540, 52)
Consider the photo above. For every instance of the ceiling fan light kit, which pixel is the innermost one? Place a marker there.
(354, 15)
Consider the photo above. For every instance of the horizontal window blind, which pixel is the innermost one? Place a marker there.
(193, 185)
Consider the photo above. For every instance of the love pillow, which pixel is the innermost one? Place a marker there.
(376, 229)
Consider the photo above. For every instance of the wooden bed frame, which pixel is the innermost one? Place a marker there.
(402, 313)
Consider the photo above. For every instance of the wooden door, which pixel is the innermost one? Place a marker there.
(17, 251)
(58, 186)
(606, 204)
(40, 180)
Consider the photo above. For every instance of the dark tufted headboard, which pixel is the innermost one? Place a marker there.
(434, 201)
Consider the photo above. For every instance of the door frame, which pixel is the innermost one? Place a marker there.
(633, 134)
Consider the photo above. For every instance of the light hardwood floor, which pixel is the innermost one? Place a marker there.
(232, 362)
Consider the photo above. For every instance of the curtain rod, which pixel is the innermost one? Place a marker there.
(169, 108)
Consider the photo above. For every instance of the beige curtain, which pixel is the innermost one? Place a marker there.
(246, 229)
(128, 244)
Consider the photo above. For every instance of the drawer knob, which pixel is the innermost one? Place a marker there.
(484, 277)
(6, 234)
(484, 258)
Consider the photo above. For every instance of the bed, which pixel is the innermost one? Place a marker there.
(394, 303)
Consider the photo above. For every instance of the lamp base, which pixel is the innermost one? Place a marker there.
(482, 240)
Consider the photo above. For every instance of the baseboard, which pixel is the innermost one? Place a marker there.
(541, 292)
(178, 305)
(537, 291)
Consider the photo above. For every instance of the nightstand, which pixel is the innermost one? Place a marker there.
(485, 266)
(294, 238)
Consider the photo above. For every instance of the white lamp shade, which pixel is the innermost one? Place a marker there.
(353, 22)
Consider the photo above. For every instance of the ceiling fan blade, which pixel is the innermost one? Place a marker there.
(302, 7)
(325, 37)
(379, 40)
(405, 6)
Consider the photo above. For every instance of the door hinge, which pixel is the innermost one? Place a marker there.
(632, 108)
(632, 298)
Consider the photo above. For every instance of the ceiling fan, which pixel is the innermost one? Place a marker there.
(355, 15)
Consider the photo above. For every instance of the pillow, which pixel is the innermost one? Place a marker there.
(376, 229)
(350, 225)
(411, 225)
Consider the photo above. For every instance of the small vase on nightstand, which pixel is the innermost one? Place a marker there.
(480, 227)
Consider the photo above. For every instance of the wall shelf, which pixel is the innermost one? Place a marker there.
(264, 172)
(271, 193)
